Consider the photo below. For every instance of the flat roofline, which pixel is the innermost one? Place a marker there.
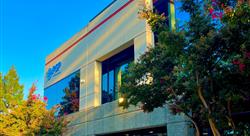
(89, 32)
(102, 10)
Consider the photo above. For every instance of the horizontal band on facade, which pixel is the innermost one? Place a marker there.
(91, 31)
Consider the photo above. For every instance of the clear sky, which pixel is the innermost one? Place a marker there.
(32, 29)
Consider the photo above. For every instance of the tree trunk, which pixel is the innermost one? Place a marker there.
(213, 127)
(210, 119)
(197, 130)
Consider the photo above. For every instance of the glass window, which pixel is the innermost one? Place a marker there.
(65, 93)
(111, 84)
(160, 7)
(112, 70)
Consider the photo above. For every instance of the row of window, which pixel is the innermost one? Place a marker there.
(112, 71)
(66, 92)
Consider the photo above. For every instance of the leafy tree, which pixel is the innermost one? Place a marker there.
(11, 92)
(201, 71)
(27, 117)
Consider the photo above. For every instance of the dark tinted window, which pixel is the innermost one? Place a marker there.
(66, 93)
(112, 70)
(161, 7)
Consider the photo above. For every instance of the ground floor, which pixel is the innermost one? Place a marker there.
(155, 131)
(111, 120)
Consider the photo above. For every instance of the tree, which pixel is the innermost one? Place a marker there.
(201, 71)
(11, 92)
(28, 117)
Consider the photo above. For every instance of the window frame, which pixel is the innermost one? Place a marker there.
(114, 63)
(48, 91)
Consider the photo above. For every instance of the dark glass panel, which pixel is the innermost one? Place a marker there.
(105, 96)
(111, 84)
(123, 69)
(160, 7)
(64, 93)
(112, 69)
(119, 72)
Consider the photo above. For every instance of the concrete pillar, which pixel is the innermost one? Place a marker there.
(171, 10)
(90, 92)
(143, 42)
(83, 88)
(149, 4)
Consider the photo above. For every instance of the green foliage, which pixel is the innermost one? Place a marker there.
(52, 125)
(26, 117)
(157, 22)
(11, 92)
(203, 69)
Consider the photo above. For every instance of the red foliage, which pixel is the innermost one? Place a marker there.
(236, 62)
(247, 54)
(240, 64)
(211, 10)
(33, 97)
(242, 67)
(45, 98)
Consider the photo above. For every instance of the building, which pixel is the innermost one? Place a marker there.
(84, 74)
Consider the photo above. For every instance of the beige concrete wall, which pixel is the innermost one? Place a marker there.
(90, 92)
(120, 32)
(117, 31)
(110, 118)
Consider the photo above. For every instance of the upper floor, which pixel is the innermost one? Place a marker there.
(86, 71)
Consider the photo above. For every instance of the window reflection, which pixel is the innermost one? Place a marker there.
(111, 84)
(105, 93)
(112, 70)
(123, 70)
(160, 7)
(65, 93)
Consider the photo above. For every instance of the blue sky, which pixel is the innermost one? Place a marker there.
(32, 29)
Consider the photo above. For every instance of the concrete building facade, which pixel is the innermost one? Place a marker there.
(83, 69)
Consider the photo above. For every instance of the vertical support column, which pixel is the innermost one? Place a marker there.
(149, 33)
(90, 92)
(98, 83)
(83, 88)
(149, 4)
(171, 11)
(93, 85)
(142, 43)
(146, 40)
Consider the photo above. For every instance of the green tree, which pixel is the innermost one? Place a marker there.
(27, 117)
(201, 71)
(11, 92)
